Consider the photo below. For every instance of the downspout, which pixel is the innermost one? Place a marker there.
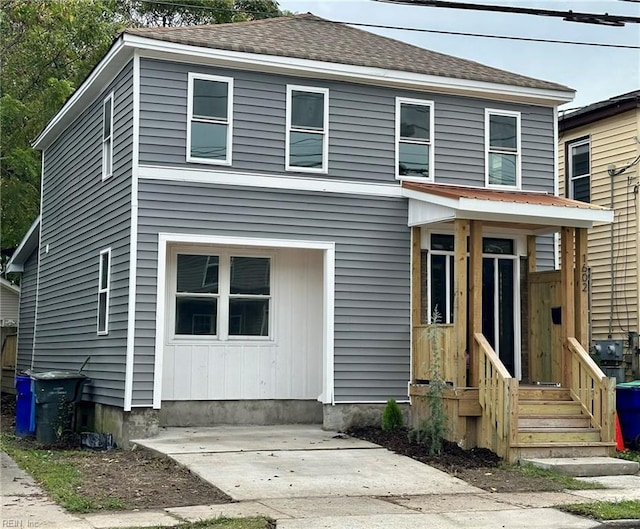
(611, 252)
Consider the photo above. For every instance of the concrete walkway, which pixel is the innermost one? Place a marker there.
(306, 478)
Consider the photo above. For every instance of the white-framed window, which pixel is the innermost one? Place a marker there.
(414, 139)
(222, 295)
(210, 119)
(502, 148)
(104, 285)
(578, 164)
(307, 136)
(107, 137)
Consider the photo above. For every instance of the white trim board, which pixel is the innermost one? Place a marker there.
(269, 181)
(164, 239)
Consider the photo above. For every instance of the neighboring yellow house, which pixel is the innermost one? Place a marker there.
(599, 152)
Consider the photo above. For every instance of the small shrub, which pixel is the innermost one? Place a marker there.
(392, 419)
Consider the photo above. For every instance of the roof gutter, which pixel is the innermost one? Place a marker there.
(581, 118)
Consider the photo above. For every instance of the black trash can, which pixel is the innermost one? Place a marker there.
(56, 394)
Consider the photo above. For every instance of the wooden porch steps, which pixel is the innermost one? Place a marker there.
(551, 424)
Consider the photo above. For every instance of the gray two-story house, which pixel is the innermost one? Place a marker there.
(248, 223)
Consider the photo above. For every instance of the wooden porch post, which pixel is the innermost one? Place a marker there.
(532, 267)
(568, 300)
(416, 295)
(460, 300)
(581, 289)
(475, 307)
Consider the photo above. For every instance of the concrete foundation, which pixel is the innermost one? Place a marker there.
(341, 417)
(257, 412)
(125, 425)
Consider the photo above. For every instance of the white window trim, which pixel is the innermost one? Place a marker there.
(571, 177)
(108, 139)
(229, 122)
(223, 296)
(421, 102)
(104, 290)
(488, 112)
(324, 133)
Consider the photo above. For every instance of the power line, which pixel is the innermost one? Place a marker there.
(571, 16)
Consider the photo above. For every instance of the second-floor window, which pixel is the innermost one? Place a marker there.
(210, 116)
(414, 138)
(107, 136)
(307, 129)
(104, 286)
(502, 138)
(579, 170)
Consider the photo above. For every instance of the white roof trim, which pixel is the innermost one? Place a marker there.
(9, 285)
(421, 211)
(27, 245)
(122, 50)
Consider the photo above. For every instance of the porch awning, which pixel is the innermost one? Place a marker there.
(29, 243)
(533, 211)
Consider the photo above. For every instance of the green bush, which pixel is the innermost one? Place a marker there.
(392, 419)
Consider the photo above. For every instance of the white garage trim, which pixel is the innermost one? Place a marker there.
(328, 247)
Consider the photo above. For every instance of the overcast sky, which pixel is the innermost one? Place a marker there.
(596, 73)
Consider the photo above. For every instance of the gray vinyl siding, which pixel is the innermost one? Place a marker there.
(372, 278)
(27, 312)
(361, 127)
(545, 253)
(81, 215)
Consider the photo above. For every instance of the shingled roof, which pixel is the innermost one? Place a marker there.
(307, 36)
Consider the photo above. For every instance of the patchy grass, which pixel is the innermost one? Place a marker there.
(629, 455)
(567, 482)
(58, 475)
(606, 510)
(223, 523)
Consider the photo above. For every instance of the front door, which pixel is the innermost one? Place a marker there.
(500, 306)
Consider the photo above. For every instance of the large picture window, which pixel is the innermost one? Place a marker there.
(414, 142)
(307, 129)
(104, 286)
(107, 137)
(579, 170)
(210, 116)
(502, 137)
(223, 295)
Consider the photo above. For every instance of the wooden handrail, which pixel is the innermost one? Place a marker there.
(593, 389)
(498, 394)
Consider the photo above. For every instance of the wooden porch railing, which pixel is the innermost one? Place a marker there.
(498, 400)
(440, 336)
(593, 389)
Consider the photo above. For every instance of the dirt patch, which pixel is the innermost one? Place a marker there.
(137, 478)
(479, 467)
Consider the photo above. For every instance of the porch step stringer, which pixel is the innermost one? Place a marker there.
(551, 425)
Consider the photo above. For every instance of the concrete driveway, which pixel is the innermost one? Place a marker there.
(263, 462)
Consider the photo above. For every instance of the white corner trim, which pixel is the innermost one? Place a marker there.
(133, 242)
(270, 181)
(368, 74)
(328, 247)
(556, 185)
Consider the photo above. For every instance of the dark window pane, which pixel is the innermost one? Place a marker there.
(506, 329)
(197, 274)
(413, 159)
(305, 149)
(581, 189)
(208, 140)
(415, 121)
(580, 160)
(106, 119)
(102, 311)
(248, 317)
(250, 275)
(307, 110)
(210, 99)
(503, 132)
(196, 315)
(488, 296)
(442, 242)
(438, 287)
(104, 265)
(500, 246)
(502, 169)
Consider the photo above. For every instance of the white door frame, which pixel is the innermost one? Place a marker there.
(328, 249)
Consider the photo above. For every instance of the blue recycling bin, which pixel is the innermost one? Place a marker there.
(25, 406)
(628, 409)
